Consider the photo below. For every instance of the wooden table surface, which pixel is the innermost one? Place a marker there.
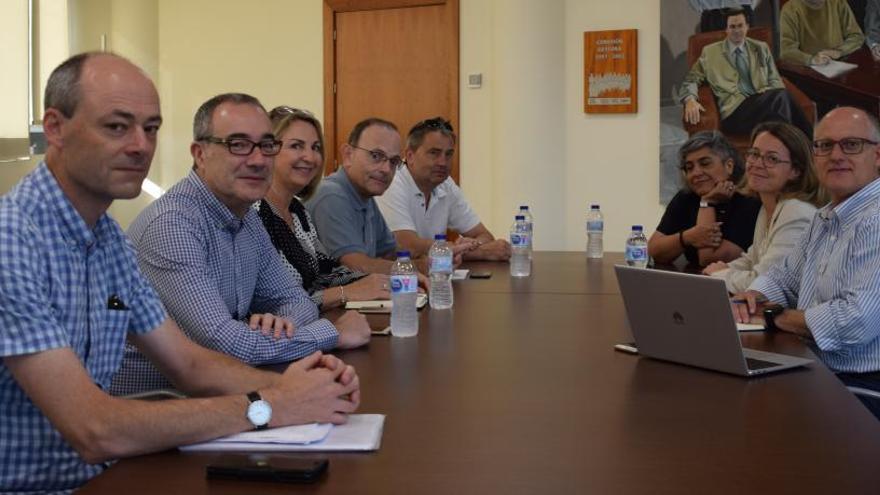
(859, 87)
(517, 390)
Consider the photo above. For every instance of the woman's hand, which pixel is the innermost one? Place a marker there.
(703, 236)
(373, 286)
(714, 267)
(721, 193)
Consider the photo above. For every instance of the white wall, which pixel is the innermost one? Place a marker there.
(525, 136)
(14, 60)
(513, 142)
(271, 49)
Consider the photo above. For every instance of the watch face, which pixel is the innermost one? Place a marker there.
(259, 412)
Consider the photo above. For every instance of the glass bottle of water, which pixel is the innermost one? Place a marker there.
(440, 272)
(595, 226)
(404, 291)
(520, 264)
(637, 248)
(530, 225)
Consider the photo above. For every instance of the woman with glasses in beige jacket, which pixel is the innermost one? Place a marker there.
(779, 170)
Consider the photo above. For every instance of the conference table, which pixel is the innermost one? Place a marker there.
(859, 87)
(517, 390)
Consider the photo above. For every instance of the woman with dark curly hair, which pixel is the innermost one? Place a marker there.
(708, 220)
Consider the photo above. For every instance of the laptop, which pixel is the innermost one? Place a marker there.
(687, 319)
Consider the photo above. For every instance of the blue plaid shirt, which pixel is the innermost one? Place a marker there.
(833, 274)
(56, 277)
(212, 270)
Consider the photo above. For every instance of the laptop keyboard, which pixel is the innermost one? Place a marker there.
(757, 364)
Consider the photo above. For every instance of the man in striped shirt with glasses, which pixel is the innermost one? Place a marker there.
(828, 288)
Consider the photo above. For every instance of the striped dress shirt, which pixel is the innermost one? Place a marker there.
(212, 271)
(833, 275)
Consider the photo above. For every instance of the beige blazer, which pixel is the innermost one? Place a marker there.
(770, 244)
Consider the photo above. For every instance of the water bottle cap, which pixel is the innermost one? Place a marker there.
(520, 217)
(594, 207)
(439, 237)
(637, 228)
(524, 207)
(403, 254)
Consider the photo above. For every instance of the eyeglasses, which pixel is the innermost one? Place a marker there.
(769, 160)
(849, 146)
(244, 146)
(438, 123)
(378, 157)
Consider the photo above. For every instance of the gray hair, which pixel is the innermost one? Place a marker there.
(873, 125)
(718, 145)
(63, 87)
(202, 124)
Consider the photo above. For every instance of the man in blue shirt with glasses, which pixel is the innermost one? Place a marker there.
(349, 222)
(205, 250)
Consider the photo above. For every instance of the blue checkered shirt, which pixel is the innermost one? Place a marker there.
(212, 271)
(833, 275)
(56, 277)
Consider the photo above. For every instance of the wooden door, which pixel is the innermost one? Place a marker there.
(394, 59)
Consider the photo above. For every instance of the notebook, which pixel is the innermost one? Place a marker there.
(362, 432)
(382, 305)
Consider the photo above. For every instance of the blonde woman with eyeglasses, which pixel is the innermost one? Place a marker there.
(298, 171)
(779, 170)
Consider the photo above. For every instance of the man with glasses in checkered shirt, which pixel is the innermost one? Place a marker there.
(828, 288)
(204, 248)
(424, 201)
(71, 293)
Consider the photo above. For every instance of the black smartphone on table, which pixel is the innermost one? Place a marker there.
(277, 468)
(481, 275)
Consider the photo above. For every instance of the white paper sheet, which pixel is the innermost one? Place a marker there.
(749, 327)
(833, 68)
(362, 432)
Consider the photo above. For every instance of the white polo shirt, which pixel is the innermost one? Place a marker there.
(403, 206)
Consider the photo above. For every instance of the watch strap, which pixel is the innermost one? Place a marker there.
(770, 313)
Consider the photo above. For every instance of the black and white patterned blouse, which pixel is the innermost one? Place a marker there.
(301, 250)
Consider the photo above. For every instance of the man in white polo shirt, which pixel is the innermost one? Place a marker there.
(423, 200)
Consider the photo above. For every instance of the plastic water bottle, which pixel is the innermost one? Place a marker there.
(404, 291)
(637, 248)
(520, 264)
(440, 270)
(530, 225)
(595, 226)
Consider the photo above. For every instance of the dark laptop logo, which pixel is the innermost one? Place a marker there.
(677, 318)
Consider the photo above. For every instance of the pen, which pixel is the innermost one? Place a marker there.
(743, 301)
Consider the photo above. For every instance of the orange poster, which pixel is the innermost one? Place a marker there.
(610, 71)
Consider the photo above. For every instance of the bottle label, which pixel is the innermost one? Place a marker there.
(519, 240)
(595, 225)
(404, 284)
(636, 253)
(442, 264)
